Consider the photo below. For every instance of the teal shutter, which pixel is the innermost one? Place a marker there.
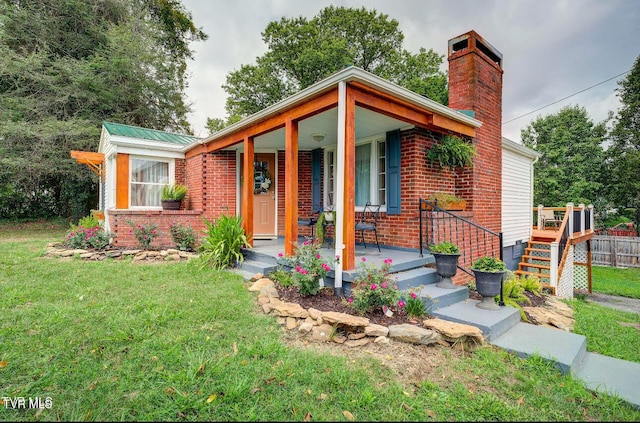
(393, 172)
(316, 179)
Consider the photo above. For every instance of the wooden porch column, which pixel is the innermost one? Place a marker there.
(122, 181)
(247, 188)
(291, 186)
(349, 226)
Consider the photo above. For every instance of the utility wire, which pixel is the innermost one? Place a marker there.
(557, 101)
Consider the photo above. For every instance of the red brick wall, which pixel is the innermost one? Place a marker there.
(219, 184)
(118, 222)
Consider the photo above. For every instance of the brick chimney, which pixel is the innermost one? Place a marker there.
(475, 84)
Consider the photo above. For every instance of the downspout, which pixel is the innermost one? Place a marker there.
(339, 198)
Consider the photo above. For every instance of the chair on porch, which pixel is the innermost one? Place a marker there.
(369, 221)
(311, 220)
(549, 219)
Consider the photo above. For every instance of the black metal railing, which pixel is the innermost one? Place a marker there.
(438, 225)
(587, 219)
(577, 220)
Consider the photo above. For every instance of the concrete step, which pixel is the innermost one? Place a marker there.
(415, 277)
(492, 323)
(255, 266)
(611, 376)
(435, 298)
(565, 349)
(251, 254)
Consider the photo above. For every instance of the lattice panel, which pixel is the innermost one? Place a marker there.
(565, 284)
(580, 271)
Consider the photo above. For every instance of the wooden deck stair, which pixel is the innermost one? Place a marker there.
(536, 260)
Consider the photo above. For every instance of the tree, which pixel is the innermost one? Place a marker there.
(303, 51)
(572, 159)
(67, 66)
(623, 155)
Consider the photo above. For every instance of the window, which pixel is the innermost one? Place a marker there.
(371, 167)
(147, 179)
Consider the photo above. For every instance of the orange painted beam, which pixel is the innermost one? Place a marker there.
(388, 105)
(291, 187)
(247, 189)
(90, 156)
(349, 225)
(122, 181)
(319, 104)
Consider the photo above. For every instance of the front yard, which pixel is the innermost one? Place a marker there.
(117, 340)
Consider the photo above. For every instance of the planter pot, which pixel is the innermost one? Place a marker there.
(446, 267)
(488, 285)
(171, 204)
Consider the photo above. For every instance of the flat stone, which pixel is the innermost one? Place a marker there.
(315, 314)
(357, 342)
(381, 340)
(140, 256)
(305, 327)
(339, 339)
(172, 251)
(550, 318)
(344, 319)
(413, 334)
(376, 330)
(256, 277)
(259, 284)
(153, 253)
(130, 252)
(187, 254)
(354, 336)
(86, 255)
(269, 291)
(263, 299)
(291, 323)
(285, 309)
(452, 331)
(266, 308)
(322, 332)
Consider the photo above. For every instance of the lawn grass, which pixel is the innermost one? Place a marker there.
(616, 281)
(116, 340)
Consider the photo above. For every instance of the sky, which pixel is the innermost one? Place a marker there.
(551, 49)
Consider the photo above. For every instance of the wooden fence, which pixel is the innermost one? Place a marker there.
(615, 251)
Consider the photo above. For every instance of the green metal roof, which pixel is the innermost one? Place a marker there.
(148, 134)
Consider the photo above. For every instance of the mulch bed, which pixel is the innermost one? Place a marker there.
(326, 301)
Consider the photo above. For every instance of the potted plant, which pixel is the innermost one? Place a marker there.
(172, 196)
(326, 217)
(489, 273)
(446, 255)
(452, 152)
(447, 201)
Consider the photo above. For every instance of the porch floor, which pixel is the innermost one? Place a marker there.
(402, 259)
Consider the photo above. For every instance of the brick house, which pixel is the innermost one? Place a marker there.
(349, 139)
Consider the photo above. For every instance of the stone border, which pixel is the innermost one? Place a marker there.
(355, 331)
(55, 249)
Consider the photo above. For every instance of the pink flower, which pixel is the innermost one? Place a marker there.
(326, 267)
(280, 254)
(383, 285)
(413, 295)
(298, 268)
(374, 286)
(388, 261)
(401, 303)
(317, 256)
(350, 300)
(304, 272)
(363, 259)
(305, 243)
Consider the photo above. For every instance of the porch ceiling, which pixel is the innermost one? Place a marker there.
(368, 123)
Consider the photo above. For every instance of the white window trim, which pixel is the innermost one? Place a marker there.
(373, 142)
(172, 177)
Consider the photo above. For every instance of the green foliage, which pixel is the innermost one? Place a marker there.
(414, 306)
(489, 264)
(445, 247)
(302, 51)
(88, 222)
(283, 277)
(623, 156)
(373, 287)
(309, 267)
(320, 224)
(183, 236)
(88, 237)
(222, 247)
(68, 66)
(451, 152)
(144, 233)
(174, 192)
(444, 199)
(571, 166)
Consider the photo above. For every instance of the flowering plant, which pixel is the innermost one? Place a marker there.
(184, 237)
(88, 237)
(415, 307)
(374, 287)
(309, 267)
(145, 234)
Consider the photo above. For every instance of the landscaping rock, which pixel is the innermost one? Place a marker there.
(290, 310)
(259, 284)
(453, 332)
(357, 342)
(376, 330)
(344, 319)
(413, 334)
(322, 332)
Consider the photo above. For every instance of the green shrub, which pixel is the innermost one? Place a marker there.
(174, 192)
(183, 237)
(489, 264)
(451, 152)
(309, 267)
(282, 277)
(144, 233)
(222, 246)
(445, 247)
(374, 288)
(93, 237)
(414, 306)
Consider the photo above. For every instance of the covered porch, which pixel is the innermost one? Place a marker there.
(314, 138)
